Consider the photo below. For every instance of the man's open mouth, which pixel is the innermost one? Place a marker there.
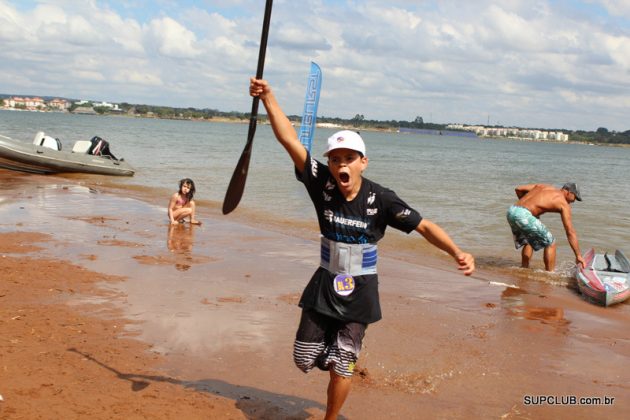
(344, 177)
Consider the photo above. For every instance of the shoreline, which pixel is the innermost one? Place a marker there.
(553, 141)
(209, 314)
(229, 120)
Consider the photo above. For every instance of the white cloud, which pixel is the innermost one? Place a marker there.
(526, 63)
(126, 76)
(10, 25)
(512, 31)
(619, 49)
(294, 37)
(619, 8)
(172, 39)
(126, 33)
(90, 75)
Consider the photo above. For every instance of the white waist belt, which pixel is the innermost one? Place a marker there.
(353, 259)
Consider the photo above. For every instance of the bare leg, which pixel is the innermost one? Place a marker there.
(550, 257)
(526, 255)
(193, 221)
(338, 390)
(181, 213)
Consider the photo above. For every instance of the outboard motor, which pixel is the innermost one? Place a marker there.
(100, 147)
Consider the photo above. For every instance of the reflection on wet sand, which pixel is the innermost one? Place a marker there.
(515, 302)
(180, 242)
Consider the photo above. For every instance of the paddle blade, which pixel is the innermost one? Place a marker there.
(237, 183)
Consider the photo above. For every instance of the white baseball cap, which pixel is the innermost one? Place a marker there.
(345, 139)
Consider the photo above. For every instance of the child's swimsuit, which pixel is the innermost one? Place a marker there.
(528, 229)
(181, 201)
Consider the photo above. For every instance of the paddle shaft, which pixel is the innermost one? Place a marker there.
(237, 183)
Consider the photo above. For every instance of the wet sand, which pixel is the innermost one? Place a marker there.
(108, 312)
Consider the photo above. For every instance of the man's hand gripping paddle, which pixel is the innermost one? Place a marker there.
(237, 183)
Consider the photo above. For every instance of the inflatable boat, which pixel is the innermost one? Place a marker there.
(605, 279)
(44, 155)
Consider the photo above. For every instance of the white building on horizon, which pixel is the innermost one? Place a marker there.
(512, 132)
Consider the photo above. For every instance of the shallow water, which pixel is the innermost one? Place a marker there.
(463, 184)
(225, 256)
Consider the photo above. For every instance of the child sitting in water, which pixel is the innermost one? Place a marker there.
(182, 205)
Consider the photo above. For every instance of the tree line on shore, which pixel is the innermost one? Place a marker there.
(601, 135)
(358, 121)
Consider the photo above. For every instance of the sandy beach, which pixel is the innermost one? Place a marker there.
(107, 312)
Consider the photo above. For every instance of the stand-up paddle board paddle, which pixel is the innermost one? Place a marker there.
(237, 183)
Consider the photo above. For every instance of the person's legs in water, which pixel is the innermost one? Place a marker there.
(526, 255)
(186, 212)
(193, 207)
(530, 233)
(549, 257)
(181, 213)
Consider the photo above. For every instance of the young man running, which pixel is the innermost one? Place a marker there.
(341, 298)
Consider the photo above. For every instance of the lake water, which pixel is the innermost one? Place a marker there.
(463, 184)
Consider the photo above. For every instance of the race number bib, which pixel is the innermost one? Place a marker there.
(343, 284)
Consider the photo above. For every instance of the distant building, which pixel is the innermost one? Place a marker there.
(327, 125)
(113, 107)
(35, 104)
(32, 104)
(60, 104)
(512, 132)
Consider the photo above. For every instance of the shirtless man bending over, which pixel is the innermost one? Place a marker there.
(528, 230)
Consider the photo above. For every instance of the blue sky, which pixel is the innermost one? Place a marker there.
(526, 63)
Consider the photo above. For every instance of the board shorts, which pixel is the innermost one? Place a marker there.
(528, 229)
(327, 343)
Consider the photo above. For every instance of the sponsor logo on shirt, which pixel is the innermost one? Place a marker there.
(340, 220)
(372, 212)
(327, 197)
(328, 215)
(314, 167)
(329, 184)
(403, 214)
(371, 199)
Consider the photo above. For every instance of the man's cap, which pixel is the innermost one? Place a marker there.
(345, 139)
(573, 188)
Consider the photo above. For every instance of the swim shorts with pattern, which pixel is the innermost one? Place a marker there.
(327, 343)
(528, 229)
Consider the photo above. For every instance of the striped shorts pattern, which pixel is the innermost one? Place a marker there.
(327, 343)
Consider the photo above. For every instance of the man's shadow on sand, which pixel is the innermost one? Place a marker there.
(255, 403)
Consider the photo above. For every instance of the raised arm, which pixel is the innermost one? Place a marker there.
(282, 128)
(440, 239)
